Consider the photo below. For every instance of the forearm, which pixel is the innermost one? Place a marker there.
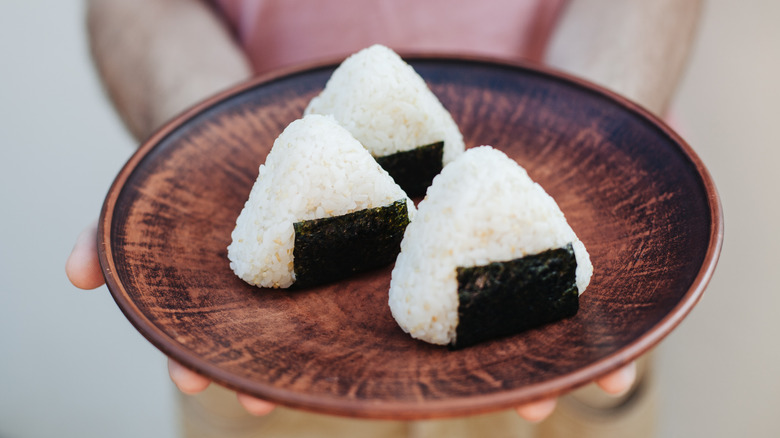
(157, 57)
(637, 48)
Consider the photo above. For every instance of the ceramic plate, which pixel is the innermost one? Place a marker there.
(635, 193)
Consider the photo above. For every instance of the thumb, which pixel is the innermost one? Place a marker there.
(83, 266)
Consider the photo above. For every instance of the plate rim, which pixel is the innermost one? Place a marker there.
(442, 408)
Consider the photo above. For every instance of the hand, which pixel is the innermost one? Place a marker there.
(83, 270)
(83, 266)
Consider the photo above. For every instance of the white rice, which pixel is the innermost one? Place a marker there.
(315, 169)
(481, 208)
(386, 105)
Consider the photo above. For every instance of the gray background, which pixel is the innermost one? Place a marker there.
(72, 366)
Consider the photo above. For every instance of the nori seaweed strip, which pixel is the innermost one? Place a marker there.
(414, 170)
(504, 298)
(333, 248)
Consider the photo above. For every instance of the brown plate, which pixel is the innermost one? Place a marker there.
(635, 193)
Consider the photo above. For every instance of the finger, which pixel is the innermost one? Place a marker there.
(619, 381)
(537, 411)
(188, 382)
(255, 406)
(83, 266)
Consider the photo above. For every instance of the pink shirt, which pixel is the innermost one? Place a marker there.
(278, 33)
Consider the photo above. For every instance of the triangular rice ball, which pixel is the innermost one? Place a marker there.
(489, 254)
(318, 195)
(389, 108)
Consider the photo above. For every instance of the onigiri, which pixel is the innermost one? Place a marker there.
(321, 209)
(489, 254)
(389, 108)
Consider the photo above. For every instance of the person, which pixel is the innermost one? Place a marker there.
(158, 57)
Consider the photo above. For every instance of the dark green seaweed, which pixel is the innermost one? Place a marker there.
(414, 170)
(336, 247)
(504, 298)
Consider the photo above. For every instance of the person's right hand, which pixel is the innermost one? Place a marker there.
(83, 270)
